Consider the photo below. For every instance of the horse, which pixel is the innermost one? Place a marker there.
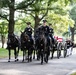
(26, 45)
(13, 43)
(41, 45)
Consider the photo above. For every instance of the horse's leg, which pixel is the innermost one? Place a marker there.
(41, 54)
(47, 56)
(15, 54)
(38, 54)
(34, 54)
(31, 55)
(28, 54)
(52, 54)
(23, 55)
(9, 51)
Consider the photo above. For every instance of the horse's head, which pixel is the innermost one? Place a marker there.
(11, 37)
(24, 36)
(41, 41)
(41, 36)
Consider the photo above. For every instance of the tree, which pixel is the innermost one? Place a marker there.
(73, 16)
(59, 17)
(59, 22)
(39, 9)
(11, 6)
(3, 31)
(57, 10)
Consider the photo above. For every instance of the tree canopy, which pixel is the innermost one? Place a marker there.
(58, 12)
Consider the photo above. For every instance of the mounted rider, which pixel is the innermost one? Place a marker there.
(45, 29)
(28, 30)
(48, 31)
(51, 34)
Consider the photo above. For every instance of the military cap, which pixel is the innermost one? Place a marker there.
(50, 24)
(44, 21)
(28, 23)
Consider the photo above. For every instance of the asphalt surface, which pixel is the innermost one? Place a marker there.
(62, 66)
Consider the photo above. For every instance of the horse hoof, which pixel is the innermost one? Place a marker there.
(41, 63)
(33, 57)
(30, 60)
(26, 58)
(70, 53)
(51, 57)
(38, 59)
(67, 55)
(17, 59)
(46, 61)
(8, 60)
(22, 60)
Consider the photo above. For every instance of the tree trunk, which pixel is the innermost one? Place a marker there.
(72, 34)
(37, 20)
(3, 40)
(11, 17)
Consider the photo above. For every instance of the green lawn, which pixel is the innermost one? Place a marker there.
(74, 73)
(4, 53)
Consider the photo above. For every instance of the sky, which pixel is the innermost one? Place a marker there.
(18, 1)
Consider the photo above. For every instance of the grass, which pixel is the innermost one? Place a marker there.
(74, 73)
(4, 53)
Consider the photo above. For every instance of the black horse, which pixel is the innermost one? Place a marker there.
(13, 43)
(42, 47)
(27, 46)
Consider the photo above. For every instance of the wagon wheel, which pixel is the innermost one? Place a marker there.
(65, 50)
(58, 50)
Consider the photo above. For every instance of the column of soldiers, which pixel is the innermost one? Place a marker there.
(48, 31)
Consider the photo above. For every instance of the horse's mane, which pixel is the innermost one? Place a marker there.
(25, 41)
(42, 41)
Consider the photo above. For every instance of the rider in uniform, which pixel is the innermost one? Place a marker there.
(46, 30)
(29, 30)
(51, 33)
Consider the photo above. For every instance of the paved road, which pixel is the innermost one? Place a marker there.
(56, 66)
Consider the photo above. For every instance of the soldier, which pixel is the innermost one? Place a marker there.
(46, 30)
(69, 47)
(28, 30)
(51, 33)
